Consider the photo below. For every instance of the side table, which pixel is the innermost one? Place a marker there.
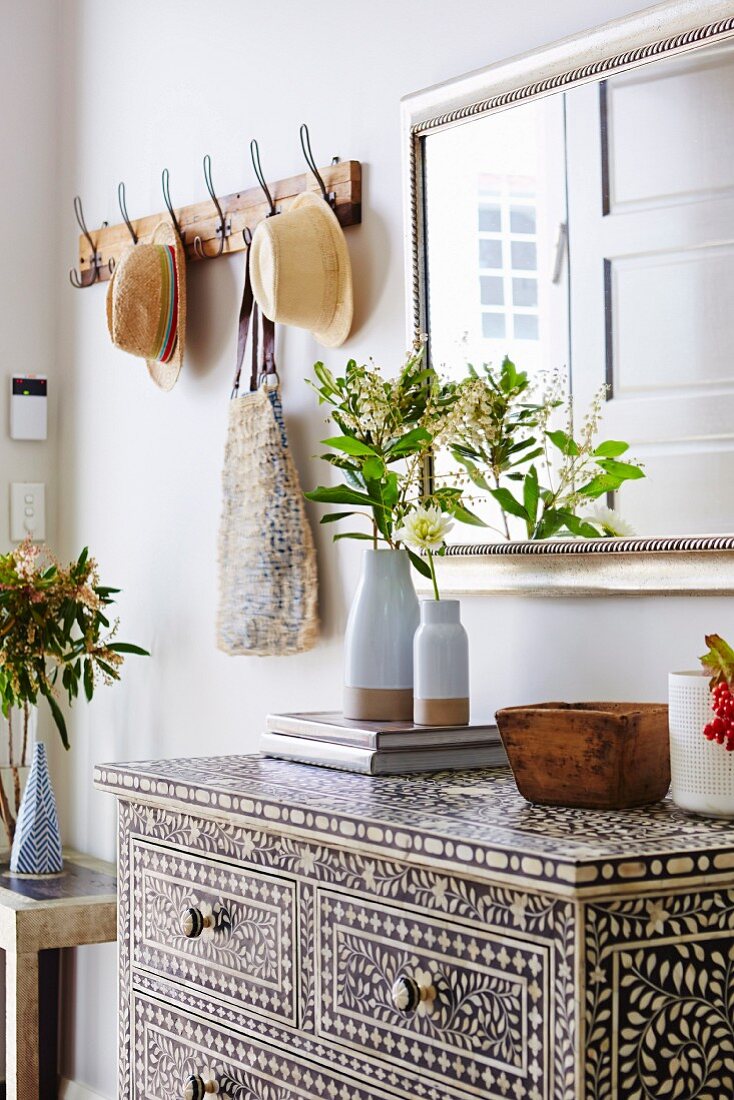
(39, 916)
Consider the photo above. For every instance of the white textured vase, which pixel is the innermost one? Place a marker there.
(441, 659)
(378, 645)
(701, 771)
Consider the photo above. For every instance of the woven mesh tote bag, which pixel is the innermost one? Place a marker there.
(267, 562)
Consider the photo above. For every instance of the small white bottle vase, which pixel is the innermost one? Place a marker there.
(441, 658)
(701, 771)
(378, 644)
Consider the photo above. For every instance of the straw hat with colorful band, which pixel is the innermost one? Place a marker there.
(146, 304)
(301, 272)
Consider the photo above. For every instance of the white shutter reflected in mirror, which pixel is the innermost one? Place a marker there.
(651, 191)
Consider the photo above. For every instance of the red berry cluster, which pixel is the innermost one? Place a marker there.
(721, 729)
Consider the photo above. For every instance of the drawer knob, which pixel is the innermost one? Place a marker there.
(194, 921)
(196, 1088)
(413, 994)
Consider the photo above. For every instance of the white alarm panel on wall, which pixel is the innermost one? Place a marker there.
(28, 406)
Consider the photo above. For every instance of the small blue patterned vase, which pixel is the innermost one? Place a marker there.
(37, 844)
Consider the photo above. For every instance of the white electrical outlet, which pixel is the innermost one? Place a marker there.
(27, 511)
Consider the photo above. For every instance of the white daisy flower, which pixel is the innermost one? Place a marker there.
(610, 521)
(425, 528)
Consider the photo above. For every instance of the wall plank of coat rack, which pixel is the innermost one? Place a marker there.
(244, 208)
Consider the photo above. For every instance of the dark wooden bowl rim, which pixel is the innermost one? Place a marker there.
(618, 710)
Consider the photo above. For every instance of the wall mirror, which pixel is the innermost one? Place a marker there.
(573, 209)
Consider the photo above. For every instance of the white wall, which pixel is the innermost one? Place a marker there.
(151, 84)
(28, 263)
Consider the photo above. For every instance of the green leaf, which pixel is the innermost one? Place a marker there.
(564, 442)
(550, 522)
(719, 660)
(325, 377)
(82, 560)
(531, 495)
(419, 564)
(88, 679)
(625, 471)
(111, 672)
(126, 647)
(57, 717)
(390, 490)
(334, 517)
(458, 511)
(522, 445)
(349, 445)
(409, 443)
(352, 535)
(476, 476)
(602, 483)
(577, 526)
(507, 503)
(340, 494)
(373, 468)
(612, 448)
(527, 458)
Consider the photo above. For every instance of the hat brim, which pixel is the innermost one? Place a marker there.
(165, 375)
(341, 323)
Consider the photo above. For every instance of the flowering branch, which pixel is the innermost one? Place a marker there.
(53, 623)
(388, 431)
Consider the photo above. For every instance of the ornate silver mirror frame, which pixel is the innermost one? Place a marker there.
(633, 566)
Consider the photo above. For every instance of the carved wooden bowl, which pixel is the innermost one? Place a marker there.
(607, 756)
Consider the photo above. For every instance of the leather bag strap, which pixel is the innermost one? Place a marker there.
(250, 320)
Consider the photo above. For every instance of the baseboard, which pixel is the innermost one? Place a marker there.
(68, 1090)
(75, 1090)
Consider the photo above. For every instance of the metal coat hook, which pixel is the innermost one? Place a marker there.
(91, 275)
(329, 196)
(255, 156)
(247, 235)
(123, 210)
(225, 224)
(165, 186)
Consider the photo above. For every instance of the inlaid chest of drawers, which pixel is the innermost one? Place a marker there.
(292, 933)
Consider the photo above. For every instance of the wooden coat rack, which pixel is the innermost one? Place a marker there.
(242, 210)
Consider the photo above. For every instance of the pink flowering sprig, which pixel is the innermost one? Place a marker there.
(719, 661)
(53, 624)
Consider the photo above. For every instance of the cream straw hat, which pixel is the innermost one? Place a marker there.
(301, 273)
(146, 304)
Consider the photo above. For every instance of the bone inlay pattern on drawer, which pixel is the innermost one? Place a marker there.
(173, 1047)
(470, 1008)
(216, 926)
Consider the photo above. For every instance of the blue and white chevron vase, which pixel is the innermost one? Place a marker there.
(37, 844)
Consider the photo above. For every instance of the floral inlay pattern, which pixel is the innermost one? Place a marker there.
(647, 974)
(478, 1027)
(170, 1046)
(473, 819)
(507, 913)
(248, 951)
(663, 967)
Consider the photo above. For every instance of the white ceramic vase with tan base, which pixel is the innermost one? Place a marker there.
(441, 664)
(378, 644)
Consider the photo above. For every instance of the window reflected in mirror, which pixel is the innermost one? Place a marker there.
(588, 236)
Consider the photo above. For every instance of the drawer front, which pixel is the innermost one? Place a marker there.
(171, 1046)
(483, 1020)
(245, 953)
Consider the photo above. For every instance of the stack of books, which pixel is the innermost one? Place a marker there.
(380, 748)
